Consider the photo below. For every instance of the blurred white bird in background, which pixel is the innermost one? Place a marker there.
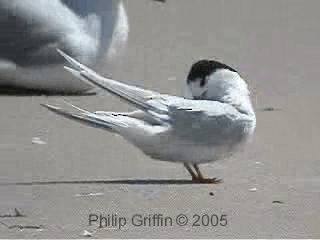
(93, 31)
(213, 123)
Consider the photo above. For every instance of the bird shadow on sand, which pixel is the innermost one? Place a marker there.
(21, 92)
(125, 182)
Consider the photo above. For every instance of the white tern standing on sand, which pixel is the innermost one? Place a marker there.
(212, 124)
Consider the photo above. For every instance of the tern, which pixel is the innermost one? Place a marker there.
(93, 31)
(213, 121)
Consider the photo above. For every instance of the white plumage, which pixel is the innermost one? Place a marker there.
(93, 31)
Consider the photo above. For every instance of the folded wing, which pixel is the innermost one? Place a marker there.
(134, 95)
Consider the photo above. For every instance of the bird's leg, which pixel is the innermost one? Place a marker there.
(201, 179)
(194, 176)
(196, 167)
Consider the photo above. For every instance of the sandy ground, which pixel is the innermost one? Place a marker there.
(270, 190)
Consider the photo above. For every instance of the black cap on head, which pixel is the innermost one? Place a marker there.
(204, 68)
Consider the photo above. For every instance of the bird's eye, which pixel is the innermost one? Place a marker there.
(202, 82)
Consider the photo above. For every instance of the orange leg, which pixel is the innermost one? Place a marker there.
(201, 179)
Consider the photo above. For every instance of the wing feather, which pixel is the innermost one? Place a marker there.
(136, 96)
(165, 109)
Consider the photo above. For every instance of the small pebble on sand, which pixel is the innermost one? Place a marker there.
(37, 140)
(87, 233)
